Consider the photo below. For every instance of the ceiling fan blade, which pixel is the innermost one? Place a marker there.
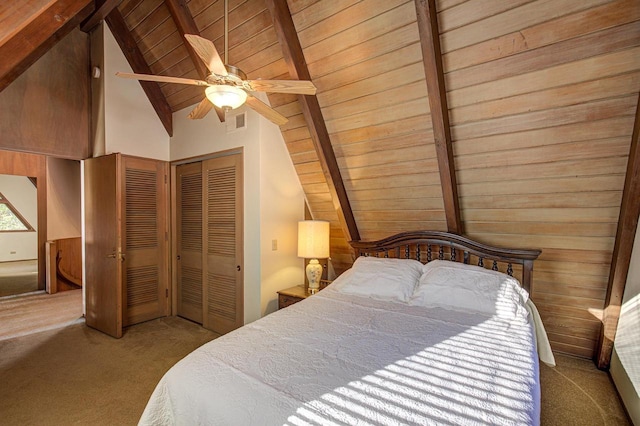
(162, 79)
(283, 86)
(221, 114)
(264, 109)
(201, 109)
(208, 53)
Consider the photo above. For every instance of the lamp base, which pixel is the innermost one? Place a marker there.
(314, 272)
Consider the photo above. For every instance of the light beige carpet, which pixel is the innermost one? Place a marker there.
(39, 312)
(575, 392)
(77, 375)
(18, 277)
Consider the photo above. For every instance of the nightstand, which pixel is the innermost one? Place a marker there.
(292, 295)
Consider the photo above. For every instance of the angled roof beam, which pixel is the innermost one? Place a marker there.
(103, 8)
(625, 236)
(297, 66)
(139, 65)
(34, 35)
(432, 58)
(187, 25)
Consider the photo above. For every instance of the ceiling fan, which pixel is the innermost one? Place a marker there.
(227, 86)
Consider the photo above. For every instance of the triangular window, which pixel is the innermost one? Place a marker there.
(10, 219)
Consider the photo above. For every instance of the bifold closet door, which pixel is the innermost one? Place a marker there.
(145, 238)
(103, 271)
(189, 217)
(222, 241)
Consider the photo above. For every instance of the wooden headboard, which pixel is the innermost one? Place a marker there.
(425, 246)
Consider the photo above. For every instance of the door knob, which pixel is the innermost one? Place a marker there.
(116, 256)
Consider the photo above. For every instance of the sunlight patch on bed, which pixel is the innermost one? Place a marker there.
(434, 385)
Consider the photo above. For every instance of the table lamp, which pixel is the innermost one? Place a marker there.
(313, 243)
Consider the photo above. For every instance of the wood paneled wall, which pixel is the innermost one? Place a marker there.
(47, 109)
(366, 61)
(542, 99)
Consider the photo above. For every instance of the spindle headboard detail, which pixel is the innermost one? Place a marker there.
(425, 246)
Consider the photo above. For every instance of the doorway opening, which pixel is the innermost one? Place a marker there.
(57, 219)
(18, 235)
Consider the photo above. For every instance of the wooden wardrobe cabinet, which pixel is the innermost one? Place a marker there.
(126, 246)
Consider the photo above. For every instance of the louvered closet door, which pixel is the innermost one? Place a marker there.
(189, 240)
(222, 239)
(144, 235)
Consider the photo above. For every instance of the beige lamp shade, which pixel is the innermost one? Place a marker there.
(313, 239)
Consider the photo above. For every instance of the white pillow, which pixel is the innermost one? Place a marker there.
(456, 286)
(381, 278)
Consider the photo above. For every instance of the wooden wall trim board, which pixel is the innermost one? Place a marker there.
(139, 65)
(25, 44)
(297, 66)
(432, 57)
(173, 241)
(625, 235)
(32, 165)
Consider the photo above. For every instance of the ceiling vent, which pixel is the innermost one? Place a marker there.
(236, 122)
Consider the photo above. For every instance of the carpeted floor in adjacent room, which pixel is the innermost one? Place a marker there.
(76, 375)
(18, 277)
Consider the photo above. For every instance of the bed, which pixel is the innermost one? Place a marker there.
(426, 328)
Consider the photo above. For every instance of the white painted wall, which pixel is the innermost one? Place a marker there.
(23, 196)
(625, 361)
(63, 199)
(131, 125)
(273, 200)
(281, 207)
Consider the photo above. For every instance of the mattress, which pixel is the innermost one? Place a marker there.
(336, 358)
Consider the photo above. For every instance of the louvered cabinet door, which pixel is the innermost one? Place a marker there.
(223, 296)
(144, 236)
(189, 240)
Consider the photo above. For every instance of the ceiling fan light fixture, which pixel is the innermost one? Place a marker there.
(226, 97)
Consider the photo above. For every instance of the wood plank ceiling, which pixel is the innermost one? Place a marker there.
(539, 97)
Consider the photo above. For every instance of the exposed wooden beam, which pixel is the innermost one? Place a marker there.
(25, 44)
(625, 236)
(103, 8)
(297, 66)
(432, 58)
(187, 25)
(134, 56)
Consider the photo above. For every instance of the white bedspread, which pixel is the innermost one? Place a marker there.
(339, 359)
